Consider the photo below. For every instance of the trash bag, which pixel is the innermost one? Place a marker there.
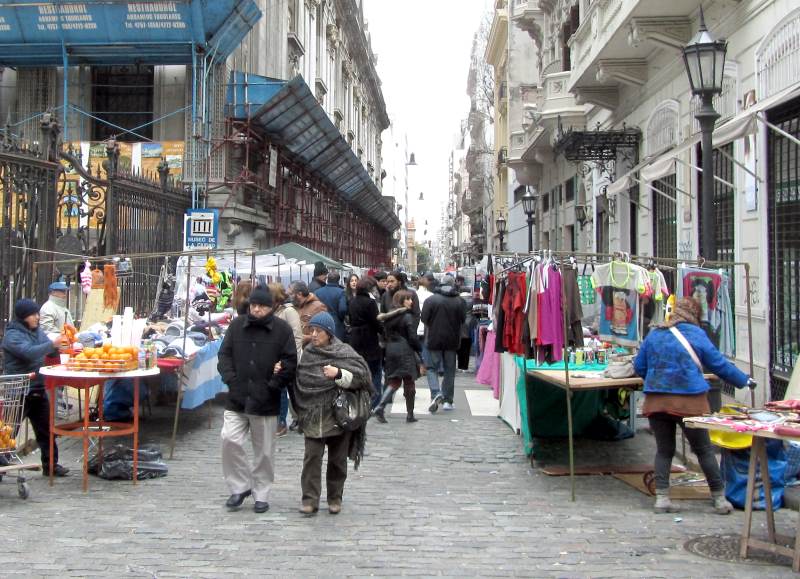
(735, 465)
(118, 463)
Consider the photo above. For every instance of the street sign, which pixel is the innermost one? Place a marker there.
(201, 229)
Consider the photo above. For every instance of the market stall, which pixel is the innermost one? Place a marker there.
(537, 314)
(780, 421)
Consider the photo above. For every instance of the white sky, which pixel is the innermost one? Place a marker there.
(423, 49)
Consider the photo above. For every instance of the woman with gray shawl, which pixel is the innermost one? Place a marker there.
(327, 365)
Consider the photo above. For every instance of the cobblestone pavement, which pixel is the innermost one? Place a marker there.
(452, 495)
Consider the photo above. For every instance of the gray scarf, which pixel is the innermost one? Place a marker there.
(314, 393)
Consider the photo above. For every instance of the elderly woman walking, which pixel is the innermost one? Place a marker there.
(671, 362)
(327, 365)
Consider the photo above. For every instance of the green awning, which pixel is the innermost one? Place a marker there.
(302, 253)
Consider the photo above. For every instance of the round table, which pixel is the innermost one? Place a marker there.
(60, 376)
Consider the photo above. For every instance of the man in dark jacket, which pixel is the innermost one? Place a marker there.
(25, 346)
(320, 275)
(443, 314)
(334, 298)
(253, 345)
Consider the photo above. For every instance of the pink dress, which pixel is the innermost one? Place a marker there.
(489, 371)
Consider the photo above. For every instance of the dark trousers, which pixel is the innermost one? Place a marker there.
(311, 478)
(376, 370)
(37, 410)
(464, 351)
(409, 388)
(664, 428)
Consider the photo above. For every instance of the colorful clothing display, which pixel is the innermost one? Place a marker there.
(619, 285)
(712, 289)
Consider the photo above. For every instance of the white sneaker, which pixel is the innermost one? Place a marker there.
(447, 406)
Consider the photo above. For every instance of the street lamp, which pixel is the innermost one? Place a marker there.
(502, 228)
(704, 58)
(529, 207)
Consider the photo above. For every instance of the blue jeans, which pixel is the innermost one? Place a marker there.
(376, 368)
(284, 411)
(433, 372)
(448, 358)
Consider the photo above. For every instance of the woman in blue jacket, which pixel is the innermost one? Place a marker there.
(675, 388)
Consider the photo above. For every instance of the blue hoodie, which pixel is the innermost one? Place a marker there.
(667, 367)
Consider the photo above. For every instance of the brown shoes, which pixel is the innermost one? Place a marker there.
(308, 510)
(335, 507)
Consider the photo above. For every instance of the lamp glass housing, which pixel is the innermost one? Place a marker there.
(529, 203)
(704, 58)
(502, 226)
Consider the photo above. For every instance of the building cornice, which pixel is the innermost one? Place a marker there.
(629, 71)
(672, 33)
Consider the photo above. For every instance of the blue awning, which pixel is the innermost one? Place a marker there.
(107, 32)
(292, 116)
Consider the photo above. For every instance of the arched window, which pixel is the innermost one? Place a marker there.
(662, 128)
(778, 57)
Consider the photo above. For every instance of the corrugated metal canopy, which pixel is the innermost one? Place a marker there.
(294, 117)
(107, 32)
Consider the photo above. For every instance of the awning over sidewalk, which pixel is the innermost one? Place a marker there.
(746, 122)
(36, 33)
(291, 114)
(302, 253)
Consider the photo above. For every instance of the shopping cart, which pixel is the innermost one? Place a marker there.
(12, 400)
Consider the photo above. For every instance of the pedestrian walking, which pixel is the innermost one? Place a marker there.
(335, 300)
(380, 279)
(365, 330)
(443, 316)
(25, 345)
(307, 305)
(427, 283)
(320, 275)
(241, 297)
(671, 361)
(350, 287)
(327, 365)
(395, 282)
(403, 363)
(253, 345)
(284, 310)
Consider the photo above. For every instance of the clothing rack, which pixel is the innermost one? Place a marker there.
(622, 256)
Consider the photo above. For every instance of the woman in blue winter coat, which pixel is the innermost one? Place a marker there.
(675, 388)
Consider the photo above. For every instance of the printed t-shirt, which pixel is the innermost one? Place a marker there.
(619, 285)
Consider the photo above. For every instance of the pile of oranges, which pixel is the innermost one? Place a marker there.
(7, 436)
(108, 358)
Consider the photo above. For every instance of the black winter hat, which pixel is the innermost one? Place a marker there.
(24, 308)
(320, 269)
(261, 296)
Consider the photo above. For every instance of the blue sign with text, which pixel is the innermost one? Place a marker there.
(36, 33)
(201, 229)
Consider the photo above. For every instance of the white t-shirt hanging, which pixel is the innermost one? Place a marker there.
(619, 285)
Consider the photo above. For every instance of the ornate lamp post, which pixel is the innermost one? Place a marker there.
(502, 228)
(529, 207)
(704, 58)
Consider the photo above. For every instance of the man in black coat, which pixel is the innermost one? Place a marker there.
(253, 345)
(320, 277)
(443, 314)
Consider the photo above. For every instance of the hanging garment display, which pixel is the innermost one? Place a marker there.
(711, 288)
(620, 285)
(513, 303)
(654, 309)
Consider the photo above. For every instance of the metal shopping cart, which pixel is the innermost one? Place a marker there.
(12, 400)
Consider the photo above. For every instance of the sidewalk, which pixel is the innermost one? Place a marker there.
(452, 495)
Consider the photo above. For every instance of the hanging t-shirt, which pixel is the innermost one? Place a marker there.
(711, 289)
(653, 312)
(619, 285)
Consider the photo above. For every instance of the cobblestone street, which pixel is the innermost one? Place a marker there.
(452, 495)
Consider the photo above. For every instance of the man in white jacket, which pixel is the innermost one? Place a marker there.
(53, 315)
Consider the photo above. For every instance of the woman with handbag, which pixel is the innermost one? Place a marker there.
(671, 361)
(329, 365)
(402, 364)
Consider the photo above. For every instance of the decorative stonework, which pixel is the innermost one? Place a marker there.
(333, 37)
(604, 96)
(671, 33)
(630, 71)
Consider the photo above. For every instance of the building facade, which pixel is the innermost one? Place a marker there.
(267, 192)
(611, 148)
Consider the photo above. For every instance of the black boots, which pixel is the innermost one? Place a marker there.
(377, 412)
(410, 409)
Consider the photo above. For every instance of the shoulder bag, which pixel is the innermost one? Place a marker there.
(351, 408)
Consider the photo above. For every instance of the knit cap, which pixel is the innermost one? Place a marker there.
(325, 321)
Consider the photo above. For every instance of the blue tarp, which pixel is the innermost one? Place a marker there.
(105, 32)
(289, 111)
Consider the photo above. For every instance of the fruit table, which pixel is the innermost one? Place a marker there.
(59, 376)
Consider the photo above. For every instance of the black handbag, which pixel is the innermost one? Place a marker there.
(351, 409)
